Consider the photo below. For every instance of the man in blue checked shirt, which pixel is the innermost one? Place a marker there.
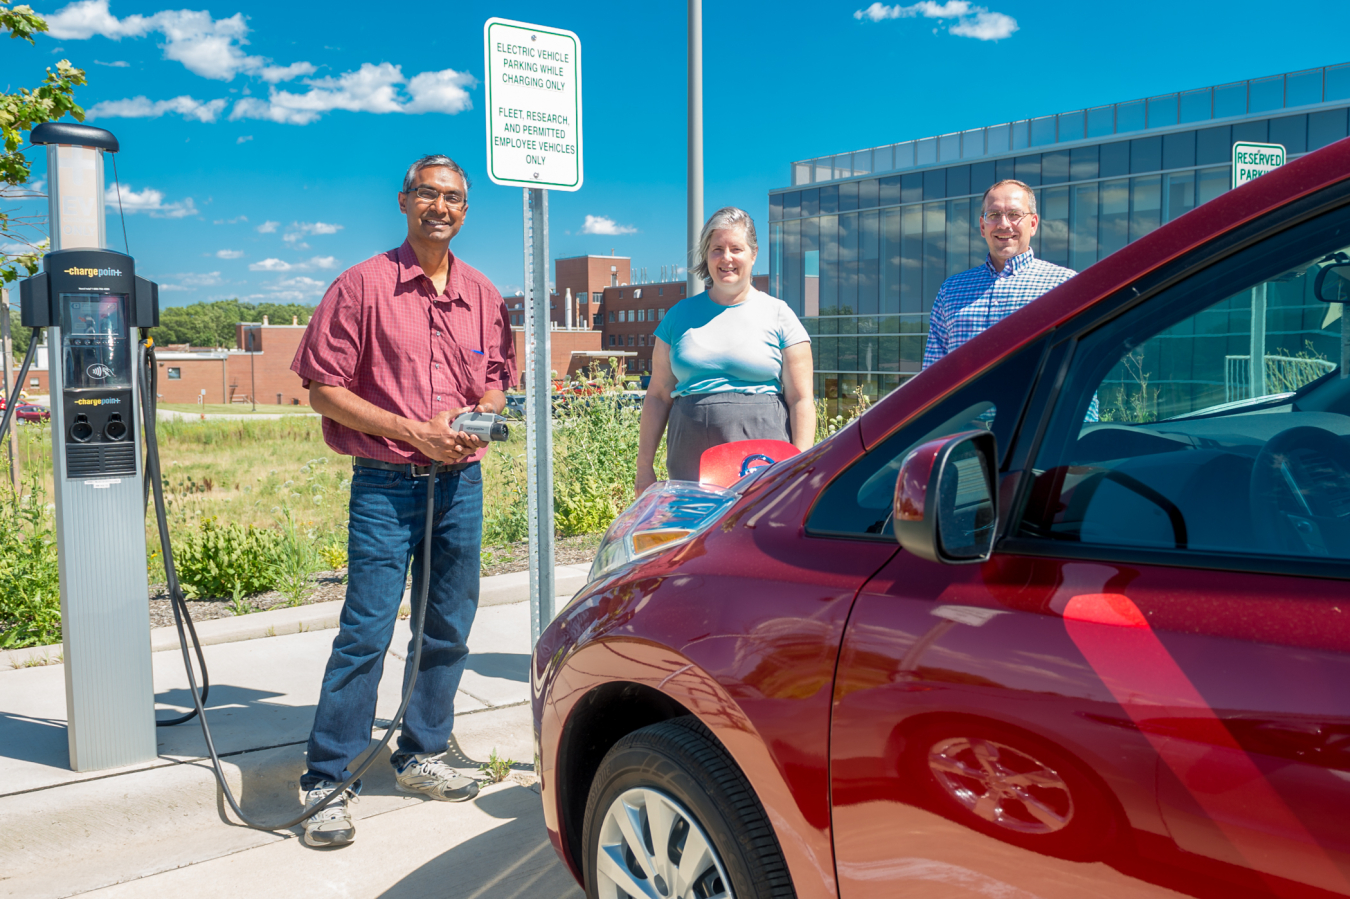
(1010, 277)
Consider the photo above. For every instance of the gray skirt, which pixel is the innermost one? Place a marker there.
(705, 420)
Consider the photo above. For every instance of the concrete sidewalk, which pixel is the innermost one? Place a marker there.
(162, 828)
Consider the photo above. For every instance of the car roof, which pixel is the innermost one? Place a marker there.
(1303, 176)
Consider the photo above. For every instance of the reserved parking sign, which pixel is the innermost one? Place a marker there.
(1251, 161)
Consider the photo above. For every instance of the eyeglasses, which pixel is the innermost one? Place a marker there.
(429, 195)
(1012, 218)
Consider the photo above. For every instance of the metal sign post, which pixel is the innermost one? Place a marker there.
(538, 412)
(534, 142)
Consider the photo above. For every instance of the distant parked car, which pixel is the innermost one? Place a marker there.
(515, 405)
(30, 412)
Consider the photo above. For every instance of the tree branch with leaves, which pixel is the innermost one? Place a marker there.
(20, 112)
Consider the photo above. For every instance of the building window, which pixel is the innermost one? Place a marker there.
(660, 314)
(651, 315)
(630, 339)
(660, 291)
(611, 340)
(597, 298)
(642, 340)
(642, 315)
(613, 280)
(34, 382)
(611, 316)
(637, 294)
(175, 374)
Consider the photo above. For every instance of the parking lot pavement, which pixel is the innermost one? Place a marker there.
(162, 827)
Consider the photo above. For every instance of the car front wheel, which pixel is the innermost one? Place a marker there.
(671, 815)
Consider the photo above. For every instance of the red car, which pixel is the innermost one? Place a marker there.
(30, 412)
(1067, 615)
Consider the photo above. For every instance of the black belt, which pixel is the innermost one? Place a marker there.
(408, 468)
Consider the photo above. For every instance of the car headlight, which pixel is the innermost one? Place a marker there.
(668, 514)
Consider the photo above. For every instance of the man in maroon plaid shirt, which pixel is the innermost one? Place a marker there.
(400, 345)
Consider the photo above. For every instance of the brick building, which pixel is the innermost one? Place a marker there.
(221, 375)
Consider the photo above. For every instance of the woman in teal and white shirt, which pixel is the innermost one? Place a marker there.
(730, 364)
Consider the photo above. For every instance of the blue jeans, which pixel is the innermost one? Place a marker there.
(388, 521)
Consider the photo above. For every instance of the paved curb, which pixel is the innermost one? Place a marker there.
(500, 589)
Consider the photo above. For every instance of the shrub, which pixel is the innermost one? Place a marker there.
(216, 559)
(30, 588)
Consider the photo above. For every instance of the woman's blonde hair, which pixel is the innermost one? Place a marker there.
(726, 217)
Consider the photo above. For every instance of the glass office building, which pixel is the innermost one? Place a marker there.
(860, 242)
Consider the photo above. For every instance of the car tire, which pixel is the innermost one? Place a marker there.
(670, 788)
(1012, 786)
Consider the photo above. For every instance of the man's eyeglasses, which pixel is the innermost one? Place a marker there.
(429, 195)
(1012, 218)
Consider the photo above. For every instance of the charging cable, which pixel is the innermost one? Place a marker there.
(12, 396)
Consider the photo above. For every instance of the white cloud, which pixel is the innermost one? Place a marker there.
(192, 281)
(244, 138)
(212, 48)
(149, 201)
(371, 88)
(229, 254)
(116, 64)
(273, 74)
(986, 26)
(143, 108)
(319, 263)
(81, 21)
(234, 221)
(599, 224)
(971, 21)
(442, 91)
(268, 227)
(297, 231)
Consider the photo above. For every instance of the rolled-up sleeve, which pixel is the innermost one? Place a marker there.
(501, 371)
(330, 349)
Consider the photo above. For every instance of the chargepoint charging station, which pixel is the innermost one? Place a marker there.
(91, 303)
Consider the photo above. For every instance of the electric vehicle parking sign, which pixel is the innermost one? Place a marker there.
(533, 105)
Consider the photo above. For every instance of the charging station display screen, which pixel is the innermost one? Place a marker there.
(95, 344)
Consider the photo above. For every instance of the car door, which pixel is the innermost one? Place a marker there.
(1141, 692)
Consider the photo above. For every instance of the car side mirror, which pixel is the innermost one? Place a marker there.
(946, 499)
(1332, 284)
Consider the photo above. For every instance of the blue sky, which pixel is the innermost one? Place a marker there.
(263, 143)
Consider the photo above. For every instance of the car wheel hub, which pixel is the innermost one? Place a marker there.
(1002, 785)
(651, 847)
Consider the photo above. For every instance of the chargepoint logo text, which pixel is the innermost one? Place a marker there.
(94, 272)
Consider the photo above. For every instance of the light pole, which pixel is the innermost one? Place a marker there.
(695, 138)
(251, 341)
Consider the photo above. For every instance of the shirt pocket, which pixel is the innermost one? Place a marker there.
(472, 367)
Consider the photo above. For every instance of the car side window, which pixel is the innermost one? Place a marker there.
(1224, 412)
(858, 502)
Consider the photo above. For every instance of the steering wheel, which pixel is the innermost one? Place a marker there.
(1277, 528)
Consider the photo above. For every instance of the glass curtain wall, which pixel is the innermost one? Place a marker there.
(862, 261)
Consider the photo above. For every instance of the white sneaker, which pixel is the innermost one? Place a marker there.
(428, 775)
(332, 825)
